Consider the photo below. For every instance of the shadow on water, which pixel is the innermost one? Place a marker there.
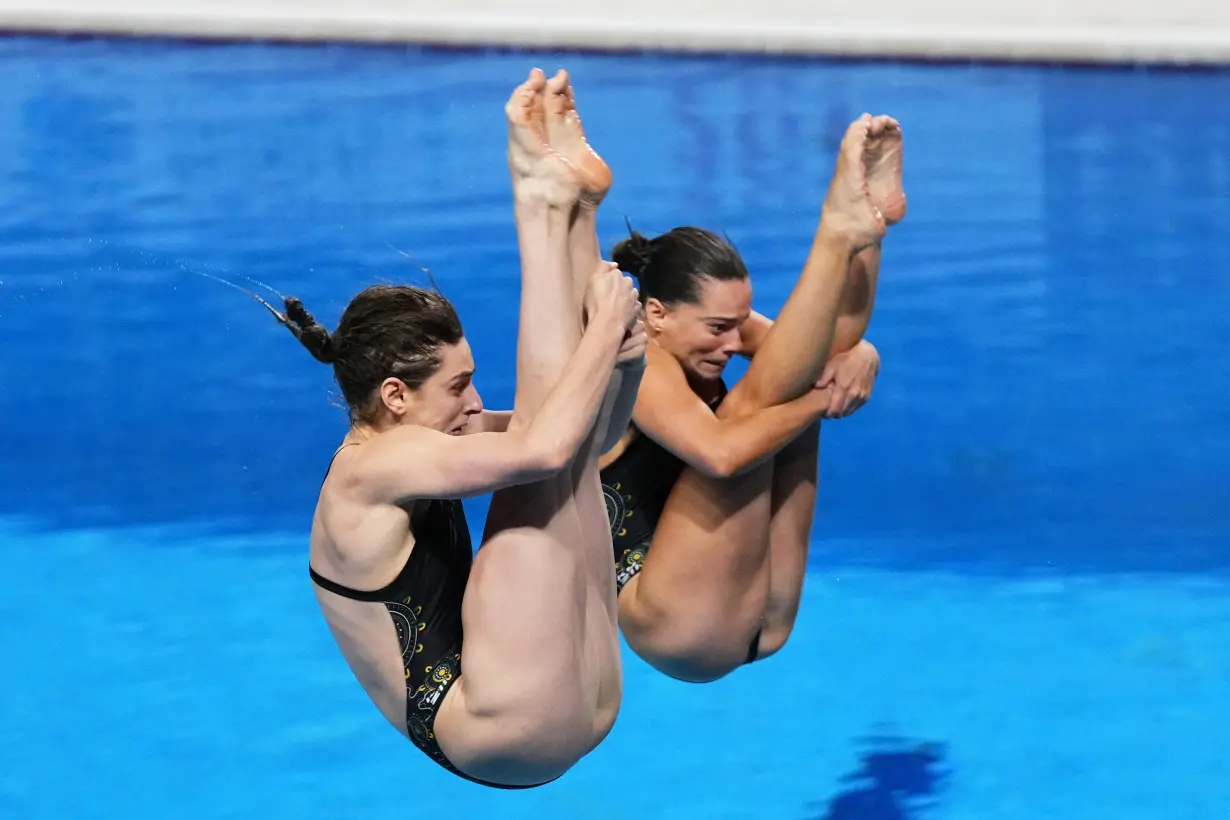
(898, 779)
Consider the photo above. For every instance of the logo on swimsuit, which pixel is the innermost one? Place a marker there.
(438, 679)
(406, 620)
(616, 507)
(630, 564)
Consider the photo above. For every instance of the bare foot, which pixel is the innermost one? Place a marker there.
(849, 212)
(567, 137)
(538, 170)
(882, 159)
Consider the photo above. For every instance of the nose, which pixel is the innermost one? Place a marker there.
(474, 403)
(732, 343)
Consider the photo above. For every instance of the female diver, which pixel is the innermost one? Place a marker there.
(710, 494)
(536, 685)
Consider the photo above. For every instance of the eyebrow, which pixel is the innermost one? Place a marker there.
(462, 376)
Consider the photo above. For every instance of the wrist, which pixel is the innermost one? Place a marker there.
(608, 321)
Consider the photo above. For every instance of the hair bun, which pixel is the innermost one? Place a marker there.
(633, 254)
(309, 332)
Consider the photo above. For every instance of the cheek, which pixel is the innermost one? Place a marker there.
(442, 405)
(687, 339)
(703, 340)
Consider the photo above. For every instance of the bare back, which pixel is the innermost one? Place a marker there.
(390, 581)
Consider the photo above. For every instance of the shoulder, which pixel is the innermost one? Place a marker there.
(357, 464)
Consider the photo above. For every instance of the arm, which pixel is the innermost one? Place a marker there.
(417, 462)
(752, 333)
(493, 421)
(672, 415)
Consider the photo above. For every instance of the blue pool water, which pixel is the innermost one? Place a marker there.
(1019, 603)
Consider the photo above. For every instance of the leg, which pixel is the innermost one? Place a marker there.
(536, 660)
(795, 475)
(567, 137)
(793, 508)
(702, 594)
(857, 211)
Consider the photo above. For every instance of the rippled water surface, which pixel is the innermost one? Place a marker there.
(1018, 605)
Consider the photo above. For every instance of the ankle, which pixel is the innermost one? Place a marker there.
(834, 241)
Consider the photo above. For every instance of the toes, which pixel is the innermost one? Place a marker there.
(883, 124)
(859, 127)
(856, 135)
(518, 104)
(522, 96)
(559, 83)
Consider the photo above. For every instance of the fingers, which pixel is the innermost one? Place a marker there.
(847, 392)
(827, 375)
(633, 349)
(837, 405)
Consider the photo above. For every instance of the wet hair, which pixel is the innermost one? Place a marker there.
(386, 330)
(672, 267)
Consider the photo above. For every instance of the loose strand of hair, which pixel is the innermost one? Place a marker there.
(430, 277)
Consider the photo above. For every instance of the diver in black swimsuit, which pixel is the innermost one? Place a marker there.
(424, 602)
(710, 494)
(475, 658)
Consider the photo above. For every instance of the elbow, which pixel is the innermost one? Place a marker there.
(558, 458)
(731, 462)
(721, 464)
(553, 455)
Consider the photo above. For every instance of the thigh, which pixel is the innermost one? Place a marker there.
(521, 711)
(701, 591)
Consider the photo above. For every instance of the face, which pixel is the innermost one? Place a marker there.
(444, 402)
(703, 336)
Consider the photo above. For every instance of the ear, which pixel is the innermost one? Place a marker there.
(395, 396)
(655, 314)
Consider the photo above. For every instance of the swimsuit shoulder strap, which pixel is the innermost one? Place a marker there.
(333, 458)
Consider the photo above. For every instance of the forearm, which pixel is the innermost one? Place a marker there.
(568, 414)
(744, 442)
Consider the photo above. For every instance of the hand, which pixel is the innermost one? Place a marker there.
(632, 353)
(611, 298)
(848, 378)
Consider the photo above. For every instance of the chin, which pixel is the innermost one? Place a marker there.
(709, 370)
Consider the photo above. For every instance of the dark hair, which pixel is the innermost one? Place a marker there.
(670, 267)
(387, 330)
